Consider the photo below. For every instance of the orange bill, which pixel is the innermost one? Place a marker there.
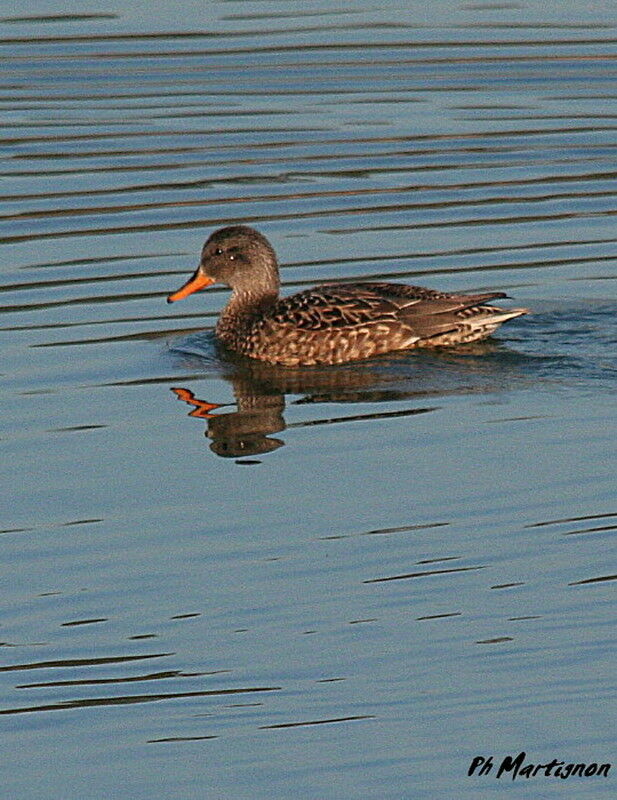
(202, 408)
(197, 281)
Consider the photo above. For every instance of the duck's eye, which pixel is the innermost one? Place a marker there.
(231, 256)
(218, 252)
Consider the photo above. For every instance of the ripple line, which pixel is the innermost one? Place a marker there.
(423, 574)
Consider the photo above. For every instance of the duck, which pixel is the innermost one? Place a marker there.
(332, 323)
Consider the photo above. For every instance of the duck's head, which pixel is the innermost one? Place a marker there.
(239, 257)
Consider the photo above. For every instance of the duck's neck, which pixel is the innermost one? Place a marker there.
(240, 314)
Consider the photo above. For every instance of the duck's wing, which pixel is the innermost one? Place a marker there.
(425, 312)
(410, 292)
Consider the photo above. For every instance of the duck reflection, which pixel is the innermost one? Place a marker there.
(246, 431)
(260, 391)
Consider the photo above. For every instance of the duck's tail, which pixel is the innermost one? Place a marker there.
(473, 324)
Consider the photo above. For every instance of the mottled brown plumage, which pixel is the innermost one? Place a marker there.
(331, 323)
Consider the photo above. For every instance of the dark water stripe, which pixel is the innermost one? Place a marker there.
(515, 153)
(57, 18)
(591, 530)
(470, 222)
(181, 739)
(91, 521)
(450, 75)
(139, 93)
(81, 662)
(404, 528)
(123, 276)
(525, 418)
(94, 38)
(250, 219)
(143, 134)
(97, 95)
(126, 122)
(137, 188)
(496, 200)
(114, 298)
(163, 379)
(133, 699)
(363, 417)
(354, 56)
(507, 585)
(383, 531)
(438, 560)
(211, 315)
(128, 337)
(433, 254)
(375, 94)
(246, 15)
(529, 117)
(600, 579)
(571, 519)
(419, 137)
(495, 640)
(107, 259)
(316, 722)
(133, 113)
(153, 676)
(423, 574)
(16, 530)
(76, 428)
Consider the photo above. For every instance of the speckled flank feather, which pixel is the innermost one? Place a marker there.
(335, 323)
(331, 324)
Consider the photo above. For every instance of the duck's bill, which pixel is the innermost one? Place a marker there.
(197, 281)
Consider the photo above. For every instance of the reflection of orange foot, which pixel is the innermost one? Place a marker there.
(202, 409)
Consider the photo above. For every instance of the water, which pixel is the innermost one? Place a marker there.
(231, 580)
